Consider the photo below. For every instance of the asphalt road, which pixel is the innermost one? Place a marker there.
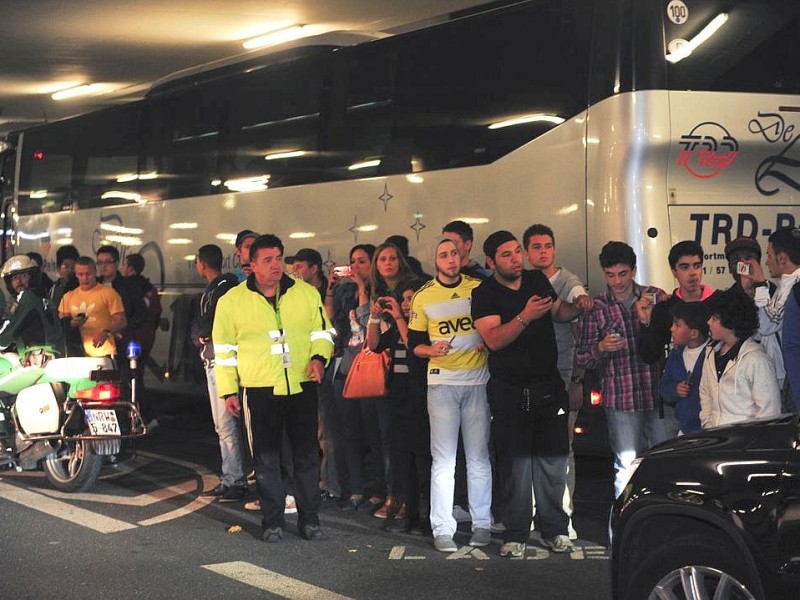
(144, 532)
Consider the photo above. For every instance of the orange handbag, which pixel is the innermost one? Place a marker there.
(368, 376)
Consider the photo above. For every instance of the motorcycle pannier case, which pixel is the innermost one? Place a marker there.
(38, 410)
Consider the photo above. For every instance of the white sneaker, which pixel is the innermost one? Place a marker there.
(290, 507)
(444, 543)
(559, 544)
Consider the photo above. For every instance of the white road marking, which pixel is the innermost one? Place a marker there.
(141, 500)
(39, 500)
(199, 469)
(538, 553)
(467, 552)
(273, 582)
(596, 552)
(193, 506)
(62, 510)
(532, 553)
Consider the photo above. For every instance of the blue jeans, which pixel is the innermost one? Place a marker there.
(631, 433)
(229, 434)
(451, 407)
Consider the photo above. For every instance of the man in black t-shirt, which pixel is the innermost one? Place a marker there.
(513, 311)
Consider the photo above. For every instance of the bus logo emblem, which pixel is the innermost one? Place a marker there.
(708, 149)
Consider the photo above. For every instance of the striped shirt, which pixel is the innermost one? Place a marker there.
(444, 313)
(628, 383)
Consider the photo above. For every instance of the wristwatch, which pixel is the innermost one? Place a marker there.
(576, 379)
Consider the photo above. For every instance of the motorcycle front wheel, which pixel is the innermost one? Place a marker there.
(74, 467)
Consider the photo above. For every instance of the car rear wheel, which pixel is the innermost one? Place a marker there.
(693, 567)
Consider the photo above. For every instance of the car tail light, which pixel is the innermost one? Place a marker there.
(596, 398)
(104, 392)
(578, 430)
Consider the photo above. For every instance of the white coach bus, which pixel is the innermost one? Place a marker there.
(647, 121)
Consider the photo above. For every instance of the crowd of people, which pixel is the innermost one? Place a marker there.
(488, 363)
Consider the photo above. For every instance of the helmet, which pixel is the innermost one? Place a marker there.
(17, 264)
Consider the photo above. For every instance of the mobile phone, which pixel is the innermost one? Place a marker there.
(651, 296)
(383, 303)
(742, 268)
(80, 316)
(615, 335)
(343, 271)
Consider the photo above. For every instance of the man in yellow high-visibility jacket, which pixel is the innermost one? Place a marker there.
(272, 340)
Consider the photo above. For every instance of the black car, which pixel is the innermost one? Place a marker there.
(712, 515)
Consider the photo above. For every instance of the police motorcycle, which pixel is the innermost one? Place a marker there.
(64, 415)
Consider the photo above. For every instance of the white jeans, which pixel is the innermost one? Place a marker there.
(451, 407)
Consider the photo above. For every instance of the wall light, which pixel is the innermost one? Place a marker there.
(121, 195)
(126, 177)
(121, 229)
(533, 118)
(279, 155)
(124, 240)
(227, 237)
(364, 164)
(87, 89)
(287, 34)
(686, 49)
(247, 184)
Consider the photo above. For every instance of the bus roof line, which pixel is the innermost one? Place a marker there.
(261, 58)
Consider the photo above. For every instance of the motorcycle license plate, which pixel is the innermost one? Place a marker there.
(102, 422)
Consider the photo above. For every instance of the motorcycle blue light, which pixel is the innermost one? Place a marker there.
(134, 350)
